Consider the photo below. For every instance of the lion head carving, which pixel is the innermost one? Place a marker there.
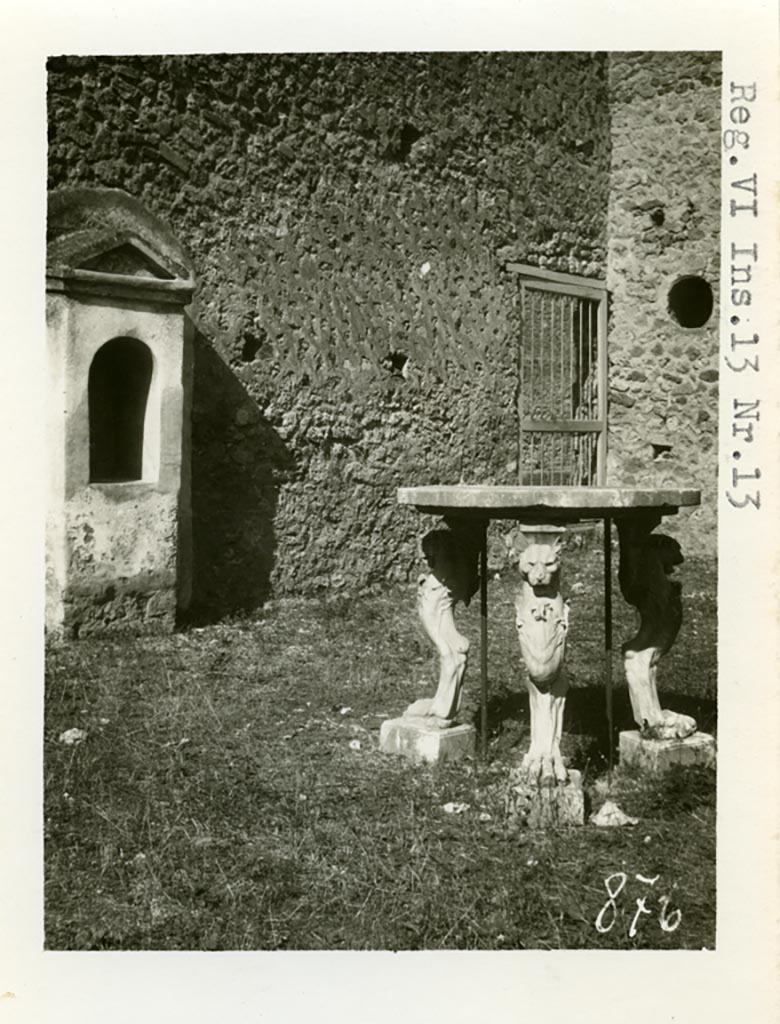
(539, 564)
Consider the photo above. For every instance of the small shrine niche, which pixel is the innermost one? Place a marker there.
(118, 532)
(119, 380)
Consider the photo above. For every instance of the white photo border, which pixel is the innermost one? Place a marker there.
(737, 981)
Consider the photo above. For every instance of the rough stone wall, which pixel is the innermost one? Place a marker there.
(347, 216)
(664, 219)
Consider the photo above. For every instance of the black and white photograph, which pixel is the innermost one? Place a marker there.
(342, 341)
(406, 455)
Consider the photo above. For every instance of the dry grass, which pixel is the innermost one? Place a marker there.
(219, 800)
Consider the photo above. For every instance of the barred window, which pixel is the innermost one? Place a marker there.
(562, 363)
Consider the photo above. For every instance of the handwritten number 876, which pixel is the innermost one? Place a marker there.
(614, 885)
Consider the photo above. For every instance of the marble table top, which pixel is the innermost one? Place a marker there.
(546, 504)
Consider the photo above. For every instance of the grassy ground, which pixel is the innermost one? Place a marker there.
(230, 793)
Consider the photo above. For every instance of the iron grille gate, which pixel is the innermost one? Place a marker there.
(562, 364)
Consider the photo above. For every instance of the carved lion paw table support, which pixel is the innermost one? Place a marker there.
(429, 730)
(542, 620)
(542, 792)
(452, 557)
(647, 561)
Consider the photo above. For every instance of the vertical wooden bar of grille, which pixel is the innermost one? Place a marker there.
(579, 414)
(603, 386)
(520, 389)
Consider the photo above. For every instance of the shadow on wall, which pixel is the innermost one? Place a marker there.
(239, 463)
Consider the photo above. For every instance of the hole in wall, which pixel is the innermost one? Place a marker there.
(691, 301)
(252, 343)
(400, 143)
(409, 135)
(658, 217)
(661, 452)
(397, 363)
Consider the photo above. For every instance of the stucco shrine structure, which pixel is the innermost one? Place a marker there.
(118, 492)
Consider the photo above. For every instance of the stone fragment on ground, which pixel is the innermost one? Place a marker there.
(610, 814)
(454, 808)
(73, 736)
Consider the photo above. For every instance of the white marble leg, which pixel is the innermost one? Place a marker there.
(434, 606)
(428, 730)
(452, 557)
(646, 562)
(542, 620)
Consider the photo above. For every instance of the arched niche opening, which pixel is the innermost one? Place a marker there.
(119, 381)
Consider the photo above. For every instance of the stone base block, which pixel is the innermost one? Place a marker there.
(659, 755)
(417, 740)
(546, 806)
